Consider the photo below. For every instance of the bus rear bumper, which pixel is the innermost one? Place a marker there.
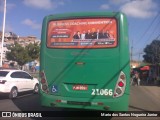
(112, 104)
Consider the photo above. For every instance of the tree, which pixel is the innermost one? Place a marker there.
(22, 55)
(33, 51)
(152, 52)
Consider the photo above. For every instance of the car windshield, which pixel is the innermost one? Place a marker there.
(3, 73)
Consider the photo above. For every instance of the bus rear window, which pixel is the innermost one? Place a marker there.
(82, 33)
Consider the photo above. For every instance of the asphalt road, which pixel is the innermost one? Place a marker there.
(142, 98)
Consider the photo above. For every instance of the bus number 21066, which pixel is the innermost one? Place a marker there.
(106, 92)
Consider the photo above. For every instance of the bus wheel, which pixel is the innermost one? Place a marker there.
(36, 89)
(13, 93)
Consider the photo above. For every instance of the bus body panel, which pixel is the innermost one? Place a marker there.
(94, 68)
(65, 73)
(118, 104)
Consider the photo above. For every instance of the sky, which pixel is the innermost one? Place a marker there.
(24, 17)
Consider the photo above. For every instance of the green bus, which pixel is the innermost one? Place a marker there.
(84, 61)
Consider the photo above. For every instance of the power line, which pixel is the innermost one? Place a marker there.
(147, 28)
(157, 36)
(152, 33)
(155, 29)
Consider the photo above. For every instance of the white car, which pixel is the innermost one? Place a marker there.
(15, 81)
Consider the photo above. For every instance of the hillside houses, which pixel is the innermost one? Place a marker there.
(10, 38)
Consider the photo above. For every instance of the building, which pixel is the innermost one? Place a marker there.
(10, 38)
(134, 64)
(27, 40)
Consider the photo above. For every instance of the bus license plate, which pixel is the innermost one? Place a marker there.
(80, 87)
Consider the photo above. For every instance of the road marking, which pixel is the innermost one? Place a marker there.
(29, 94)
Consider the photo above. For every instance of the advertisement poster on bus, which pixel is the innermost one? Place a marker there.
(82, 33)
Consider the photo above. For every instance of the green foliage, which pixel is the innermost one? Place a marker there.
(33, 51)
(152, 52)
(21, 54)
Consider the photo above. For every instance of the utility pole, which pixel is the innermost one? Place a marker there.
(139, 58)
(3, 30)
(132, 52)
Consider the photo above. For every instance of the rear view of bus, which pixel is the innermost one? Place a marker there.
(84, 61)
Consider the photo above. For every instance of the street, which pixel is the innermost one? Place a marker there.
(145, 98)
(142, 98)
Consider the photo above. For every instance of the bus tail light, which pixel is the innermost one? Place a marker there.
(43, 80)
(120, 85)
(44, 84)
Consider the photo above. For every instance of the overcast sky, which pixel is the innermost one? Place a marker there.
(24, 17)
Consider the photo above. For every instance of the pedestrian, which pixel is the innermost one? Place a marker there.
(149, 78)
(137, 78)
(131, 77)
